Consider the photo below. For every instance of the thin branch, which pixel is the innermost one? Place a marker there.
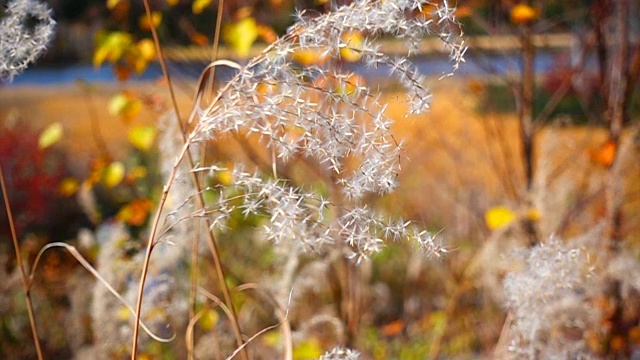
(617, 104)
(85, 264)
(185, 151)
(26, 284)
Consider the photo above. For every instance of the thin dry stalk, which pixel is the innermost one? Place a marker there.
(200, 200)
(87, 266)
(283, 314)
(618, 100)
(26, 284)
(527, 130)
(203, 152)
(150, 244)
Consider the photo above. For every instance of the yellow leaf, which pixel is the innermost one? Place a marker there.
(352, 43)
(272, 338)
(172, 2)
(307, 349)
(113, 174)
(349, 86)
(68, 186)
(139, 64)
(112, 3)
(209, 319)
(125, 105)
(225, 177)
(111, 47)
(523, 14)
(240, 35)
(142, 137)
(199, 6)
(306, 57)
(137, 172)
(51, 135)
(156, 19)
(123, 313)
(146, 52)
(498, 217)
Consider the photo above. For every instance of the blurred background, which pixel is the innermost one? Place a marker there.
(535, 136)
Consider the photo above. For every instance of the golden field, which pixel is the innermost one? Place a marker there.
(458, 162)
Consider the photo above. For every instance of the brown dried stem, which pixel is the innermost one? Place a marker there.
(200, 200)
(26, 284)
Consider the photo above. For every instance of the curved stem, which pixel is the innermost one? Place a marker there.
(150, 244)
(212, 242)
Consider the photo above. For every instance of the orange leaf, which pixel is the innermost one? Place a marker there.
(392, 329)
(306, 57)
(136, 173)
(267, 34)
(125, 105)
(464, 11)
(122, 72)
(523, 14)
(350, 85)
(135, 213)
(533, 214)
(199, 39)
(145, 25)
(605, 154)
(97, 168)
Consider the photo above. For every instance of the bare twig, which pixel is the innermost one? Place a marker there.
(200, 178)
(85, 264)
(617, 104)
(26, 284)
(199, 198)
